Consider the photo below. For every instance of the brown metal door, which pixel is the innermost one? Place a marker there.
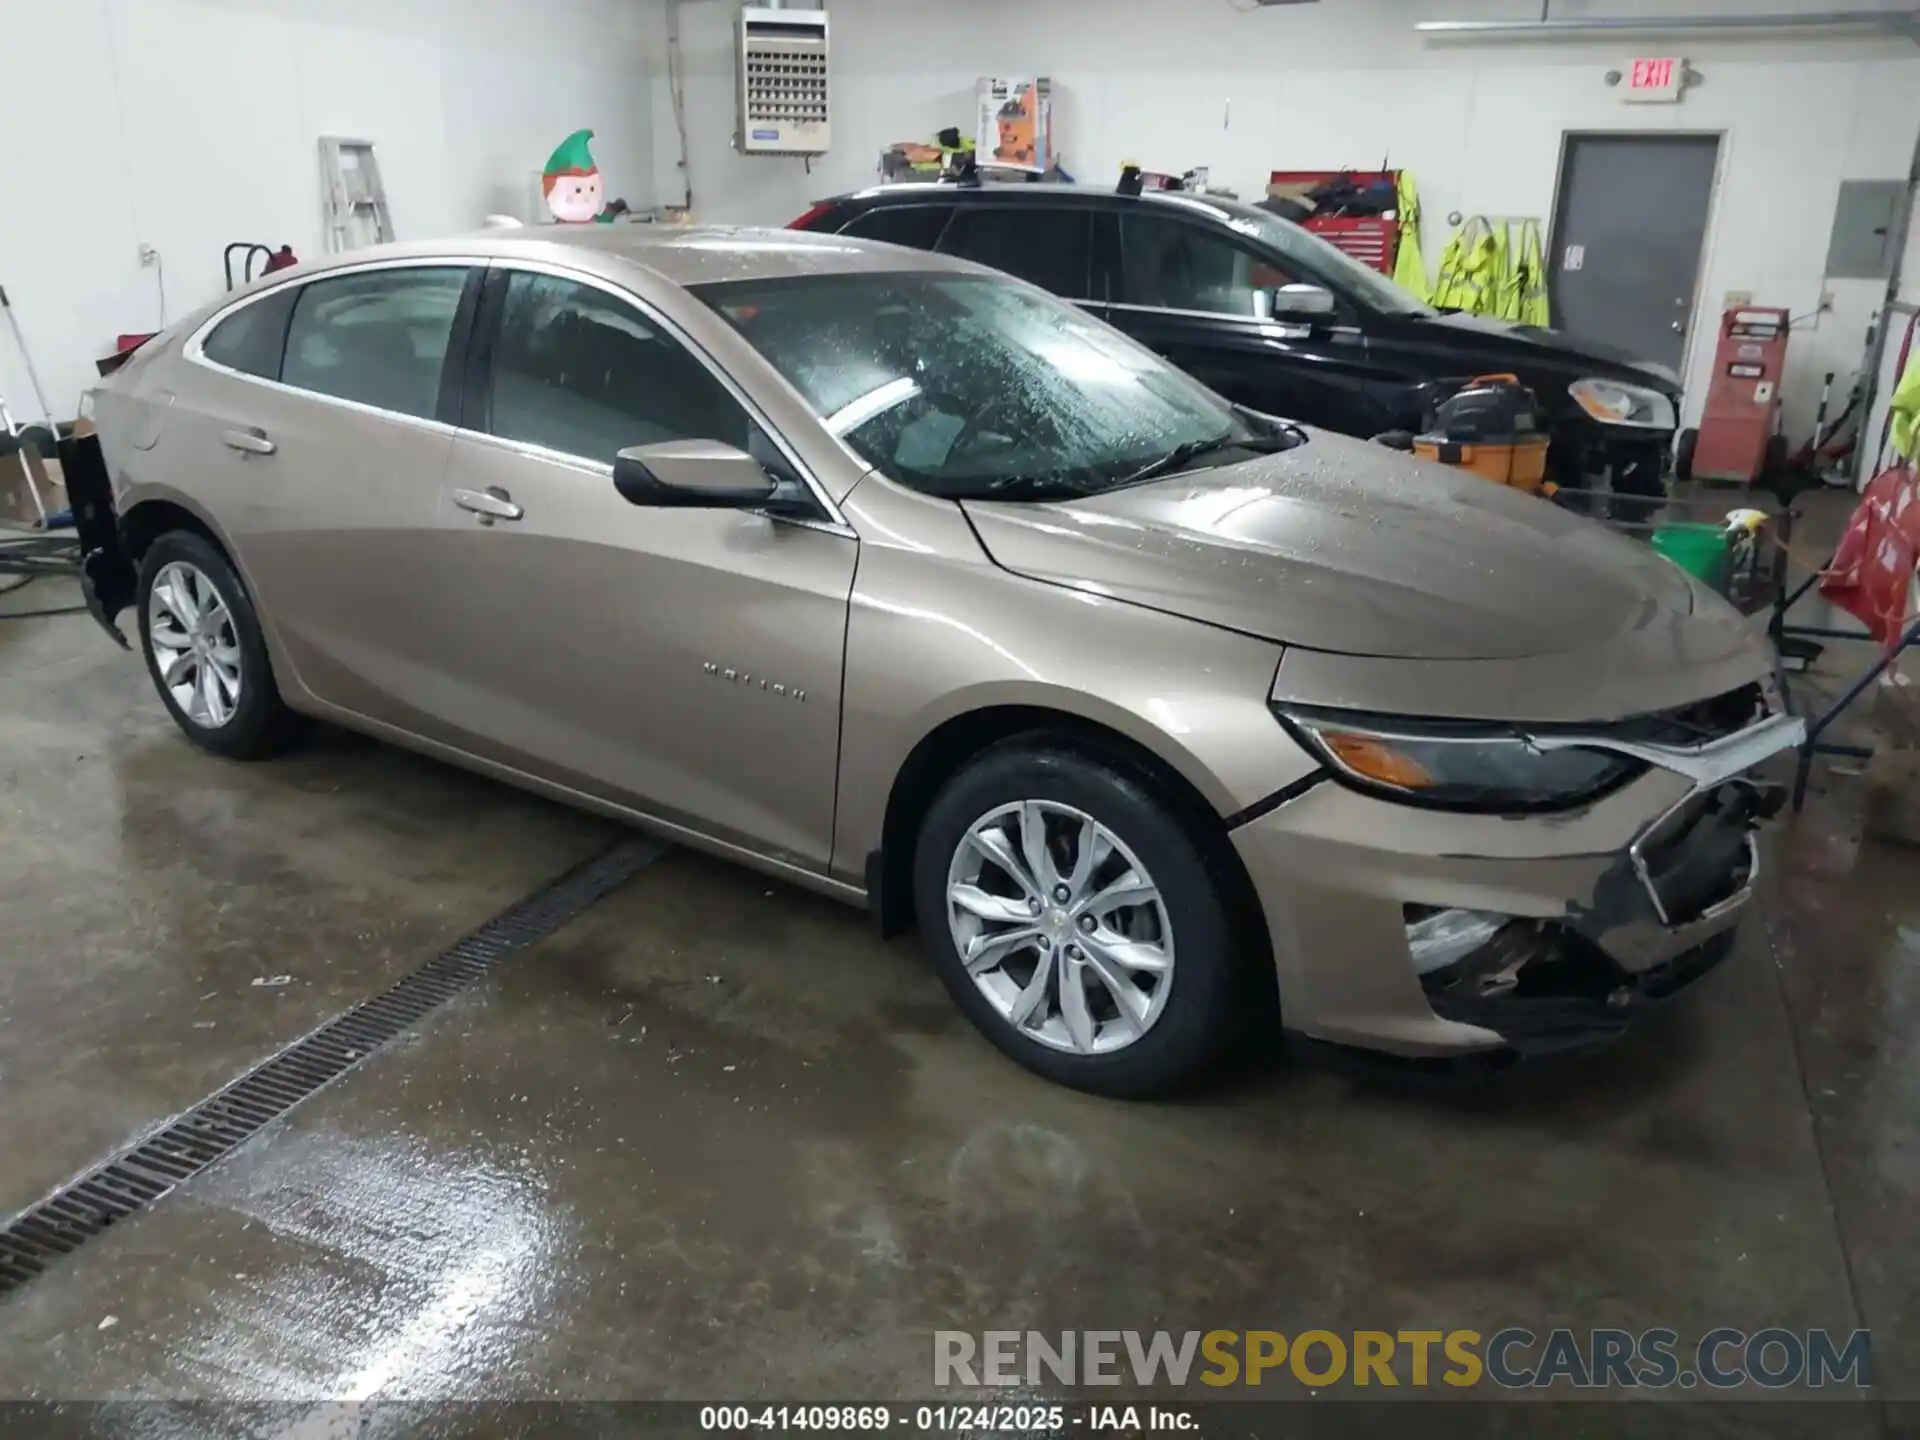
(1628, 233)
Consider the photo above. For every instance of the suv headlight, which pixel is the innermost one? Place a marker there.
(1612, 403)
(1457, 766)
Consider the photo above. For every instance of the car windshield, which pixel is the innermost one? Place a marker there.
(967, 386)
(1316, 256)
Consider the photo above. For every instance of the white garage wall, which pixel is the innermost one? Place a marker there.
(187, 124)
(1176, 83)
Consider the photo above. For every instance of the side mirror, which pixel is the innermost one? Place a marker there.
(1293, 302)
(1302, 300)
(697, 474)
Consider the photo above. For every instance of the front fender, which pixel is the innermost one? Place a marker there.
(1193, 695)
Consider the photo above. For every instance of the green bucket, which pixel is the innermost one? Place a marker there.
(1700, 550)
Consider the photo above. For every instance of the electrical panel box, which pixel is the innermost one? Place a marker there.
(783, 82)
(1869, 225)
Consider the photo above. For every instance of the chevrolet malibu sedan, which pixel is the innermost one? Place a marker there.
(901, 579)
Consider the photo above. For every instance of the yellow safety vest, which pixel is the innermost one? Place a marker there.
(1409, 265)
(1904, 405)
(1506, 284)
(1472, 269)
(1487, 271)
(1530, 278)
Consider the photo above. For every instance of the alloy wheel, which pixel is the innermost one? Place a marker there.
(196, 651)
(1060, 926)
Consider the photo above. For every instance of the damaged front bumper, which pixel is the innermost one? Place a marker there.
(1548, 985)
(1563, 927)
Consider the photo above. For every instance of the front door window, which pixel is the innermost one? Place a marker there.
(581, 372)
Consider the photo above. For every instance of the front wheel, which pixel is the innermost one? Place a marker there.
(1073, 918)
(1683, 453)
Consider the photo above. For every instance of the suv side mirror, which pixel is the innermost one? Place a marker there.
(698, 474)
(1302, 300)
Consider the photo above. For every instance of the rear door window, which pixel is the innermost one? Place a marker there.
(252, 339)
(1046, 245)
(915, 226)
(379, 337)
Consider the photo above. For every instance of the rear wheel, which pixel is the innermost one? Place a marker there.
(1073, 918)
(1774, 457)
(205, 650)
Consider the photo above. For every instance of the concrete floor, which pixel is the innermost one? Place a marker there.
(714, 1140)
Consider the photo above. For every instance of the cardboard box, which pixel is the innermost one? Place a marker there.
(30, 488)
(1015, 123)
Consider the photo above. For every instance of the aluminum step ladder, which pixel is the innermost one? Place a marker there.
(29, 445)
(355, 198)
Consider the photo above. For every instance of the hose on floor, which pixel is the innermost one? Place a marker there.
(25, 558)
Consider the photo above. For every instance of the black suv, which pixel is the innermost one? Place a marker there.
(1275, 318)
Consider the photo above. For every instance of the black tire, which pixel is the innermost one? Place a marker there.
(1683, 454)
(261, 724)
(1200, 1021)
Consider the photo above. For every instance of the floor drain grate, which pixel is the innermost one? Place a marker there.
(81, 1209)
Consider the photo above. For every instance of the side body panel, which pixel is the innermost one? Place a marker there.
(938, 631)
(320, 529)
(330, 555)
(1321, 374)
(682, 662)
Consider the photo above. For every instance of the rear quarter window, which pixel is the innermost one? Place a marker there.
(916, 226)
(378, 338)
(253, 339)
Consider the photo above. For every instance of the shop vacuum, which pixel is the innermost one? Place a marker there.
(1492, 426)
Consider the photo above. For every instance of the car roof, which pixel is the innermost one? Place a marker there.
(1219, 207)
(679, 254)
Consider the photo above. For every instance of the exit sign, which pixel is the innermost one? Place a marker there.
(1657, 78)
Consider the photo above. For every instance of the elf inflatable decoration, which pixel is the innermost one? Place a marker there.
(575, 192)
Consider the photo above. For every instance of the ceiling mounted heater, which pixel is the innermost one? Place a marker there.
(783, 82)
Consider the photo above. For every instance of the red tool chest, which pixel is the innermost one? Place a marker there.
(1371, 239)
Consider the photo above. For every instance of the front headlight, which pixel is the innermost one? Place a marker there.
(1447, 766)
(1612, 403)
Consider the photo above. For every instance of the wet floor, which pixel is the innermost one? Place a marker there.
(715, 1140)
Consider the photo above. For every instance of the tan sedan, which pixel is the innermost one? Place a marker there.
(902, 580)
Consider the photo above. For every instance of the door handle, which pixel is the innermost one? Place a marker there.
(490, 504)
(1680, 325)
(250, 440)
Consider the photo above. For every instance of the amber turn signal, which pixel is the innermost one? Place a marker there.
(1375, 759)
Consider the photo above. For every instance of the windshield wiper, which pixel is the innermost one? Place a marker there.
(1189, 451)
(1033, 487)
(1057, 486)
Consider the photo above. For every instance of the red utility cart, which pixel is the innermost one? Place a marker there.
(1738, 429)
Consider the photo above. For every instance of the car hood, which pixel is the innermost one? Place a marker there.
(1517, 343)
(1345, 546)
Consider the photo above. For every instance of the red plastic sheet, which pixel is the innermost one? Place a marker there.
(1872, 572)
